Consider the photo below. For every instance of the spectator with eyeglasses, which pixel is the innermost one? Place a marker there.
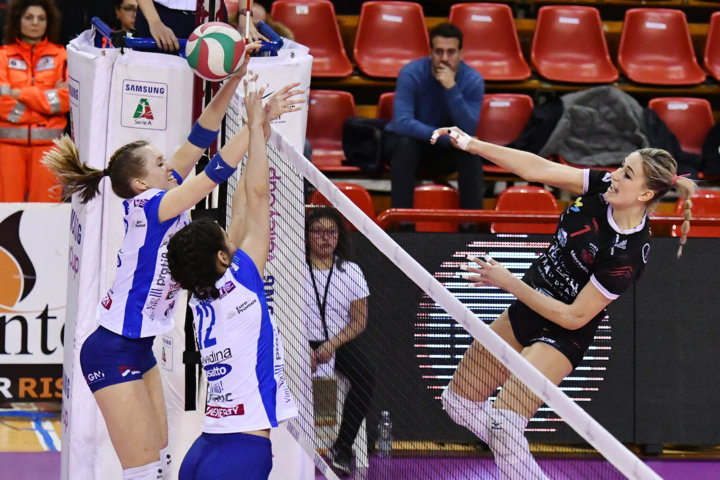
(125, 11)
(336, 310)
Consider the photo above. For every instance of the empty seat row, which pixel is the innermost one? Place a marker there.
(516, 199)
(503, 118)
(568, 46)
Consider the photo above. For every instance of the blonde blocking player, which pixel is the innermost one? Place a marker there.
(117, 359)
(600, 248)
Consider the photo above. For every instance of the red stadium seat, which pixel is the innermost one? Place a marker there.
(706, 203)
(356, 193)
(314, 25)
(436, 196)
(655, 48)
(712, 47)
(490, 41)
(526, 199)
(327, 111)
(690, 119)
(569, 46)
(385, 106)
(389, 35)
(502, 119)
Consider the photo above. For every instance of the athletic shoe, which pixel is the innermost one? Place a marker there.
(341, 459)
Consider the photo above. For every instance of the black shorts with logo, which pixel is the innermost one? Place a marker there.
(530, 327)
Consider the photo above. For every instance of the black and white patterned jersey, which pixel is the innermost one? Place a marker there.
(590, 247)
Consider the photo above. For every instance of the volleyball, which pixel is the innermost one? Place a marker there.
(215, 51)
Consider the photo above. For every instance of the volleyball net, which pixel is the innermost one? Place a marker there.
(421, 318)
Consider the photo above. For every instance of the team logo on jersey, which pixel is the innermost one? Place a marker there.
(622, 244)
(576, 205)
(607, 177)
(588, 256)
(562, 236)
(126, 371)
(106, 301)
(222, 412)
(46, 62)
(216, 357)
(217, 371)
(227, 288)
(625, 271)
(93, 377)
(245, 305)
(645, 252)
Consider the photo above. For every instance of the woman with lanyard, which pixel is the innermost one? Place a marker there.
(335, 299)
(599, 250)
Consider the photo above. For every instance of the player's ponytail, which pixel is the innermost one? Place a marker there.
(685, 187)
(661, 176)
(63, 160)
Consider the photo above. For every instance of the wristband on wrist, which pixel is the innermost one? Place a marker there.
(217, 170)
(201, 137)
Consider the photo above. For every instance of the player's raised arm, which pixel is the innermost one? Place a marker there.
(529, 166)
(205, 130)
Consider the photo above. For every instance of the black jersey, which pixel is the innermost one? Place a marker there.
(590, 247)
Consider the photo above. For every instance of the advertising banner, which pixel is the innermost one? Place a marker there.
(32, 299)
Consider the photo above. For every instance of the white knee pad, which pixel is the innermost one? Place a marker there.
(151, 471)
(471, 415)
(506, 439)
(166, 461)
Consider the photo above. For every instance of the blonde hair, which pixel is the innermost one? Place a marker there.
(660, 170)
(125, 165)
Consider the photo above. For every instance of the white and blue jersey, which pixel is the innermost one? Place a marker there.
(242, 354)
(142, 299)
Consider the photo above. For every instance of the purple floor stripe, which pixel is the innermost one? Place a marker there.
(46, 466)
(30, 465)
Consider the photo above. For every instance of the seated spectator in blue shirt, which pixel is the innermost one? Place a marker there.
(431, 92)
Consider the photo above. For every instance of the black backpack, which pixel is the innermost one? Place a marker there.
(362, 142)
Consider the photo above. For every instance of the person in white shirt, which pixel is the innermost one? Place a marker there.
(335, 304)
(117, 359)
(239, 344)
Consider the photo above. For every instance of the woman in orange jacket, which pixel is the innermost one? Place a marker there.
(33, 99)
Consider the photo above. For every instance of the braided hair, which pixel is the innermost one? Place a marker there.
(192, 257)
(661, 176)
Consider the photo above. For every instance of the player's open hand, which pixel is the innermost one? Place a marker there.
(487, 273)
(250, 48)
(458, 138)
(285, 100)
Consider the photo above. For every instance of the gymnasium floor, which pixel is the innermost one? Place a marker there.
(30, 444)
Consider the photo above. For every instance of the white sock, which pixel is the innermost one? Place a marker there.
(471, 415)
(166, 460)
(506, 439)
(151, 471)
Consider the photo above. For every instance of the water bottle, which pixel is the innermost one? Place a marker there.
(385, 435)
